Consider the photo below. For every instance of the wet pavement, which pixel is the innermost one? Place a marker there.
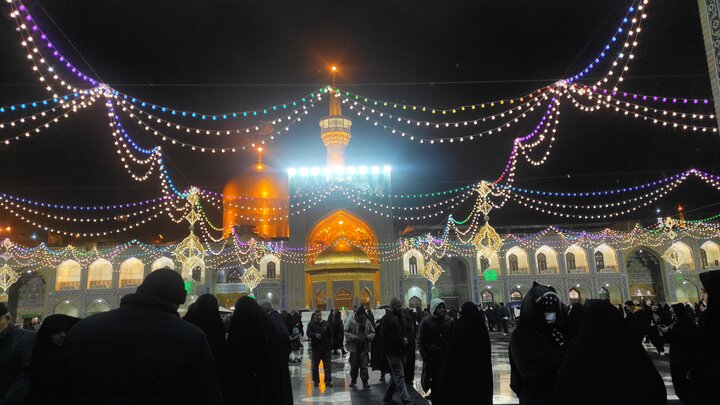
(342, 393)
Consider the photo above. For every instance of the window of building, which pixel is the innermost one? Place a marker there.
(570, 260)
(703, 258)
(197, 274)
(234, 276)
(487, 296)
(271, 270)
(599, 260)
(513, 263)
(484, 263)
(412, 265)
(516, 295)
(542, 262)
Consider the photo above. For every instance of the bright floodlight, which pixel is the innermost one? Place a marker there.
(304, 171)
(375, 169)
(315, 171)
(363, 169)
(387, 169)
(292, 171)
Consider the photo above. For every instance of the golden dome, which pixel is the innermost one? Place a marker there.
(342, 253)
(257, 197)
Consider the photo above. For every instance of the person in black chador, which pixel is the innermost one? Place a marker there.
(48, 341)
(705, 373)
(377, 355)
(434, 337)
(205, 314)
(467, 376)
(683, 336)
(574, 319)
(254, 368)
(634, 320)
(655, 334)
(338, 331)
(321, 337)
(605, 342)
(411, 330)
(490, 316)
(537, 346)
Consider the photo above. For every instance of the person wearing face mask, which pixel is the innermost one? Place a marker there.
(537, 346)
(705, 374)
(48, 342)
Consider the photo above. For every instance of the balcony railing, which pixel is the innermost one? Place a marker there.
(549, 270)
(608, 269)
(520, 271)
(68, 285)
(130, 283)
(578, 269)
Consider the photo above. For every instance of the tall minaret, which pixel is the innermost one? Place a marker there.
(335, 130)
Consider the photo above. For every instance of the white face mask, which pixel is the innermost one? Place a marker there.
(550, 318)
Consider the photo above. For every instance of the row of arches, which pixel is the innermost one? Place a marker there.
(100, 273)
(269, 267)
(68, 307)
(547, 260)
(342, 298)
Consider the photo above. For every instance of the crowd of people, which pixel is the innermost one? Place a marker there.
(144, 353)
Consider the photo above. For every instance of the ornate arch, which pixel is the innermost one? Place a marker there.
(341, 225)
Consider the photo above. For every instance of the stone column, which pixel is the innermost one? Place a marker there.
(710, 23)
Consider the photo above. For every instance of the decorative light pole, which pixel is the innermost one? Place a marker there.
(486, 240)
(8, 276)
(191, 252)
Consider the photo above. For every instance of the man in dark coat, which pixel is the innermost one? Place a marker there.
(320, 343)
(283, 337)
(634, 320)
(705, 374)
(16, 347)
(467, 377)
(490, 316)
(140, 353)
(409, 353)
(605, 341)
(537, 347)
(502, 316)
(434, 339)
(683, 336)
(395, 337)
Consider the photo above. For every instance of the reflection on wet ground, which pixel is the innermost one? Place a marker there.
(342, 394)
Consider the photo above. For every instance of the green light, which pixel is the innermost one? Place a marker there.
(188, 287)
(679, 277)
(490, 275)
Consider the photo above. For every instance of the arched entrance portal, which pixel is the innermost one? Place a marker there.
(453, 283)
(342, 260)
(645, 276)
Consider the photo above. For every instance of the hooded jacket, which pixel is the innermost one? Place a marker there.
(357, 336)
(435, 334)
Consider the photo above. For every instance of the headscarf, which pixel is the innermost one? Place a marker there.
(605, 341)
(434, 304)
(54, 324)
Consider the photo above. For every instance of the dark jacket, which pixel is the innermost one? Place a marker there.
(434, 338)
(394, 332)
(15, 353)
(324, 343)
(358, 337)
(338, 329)
(140, 353)
(377, 353)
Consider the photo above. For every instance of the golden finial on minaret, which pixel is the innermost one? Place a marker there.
(335, 129)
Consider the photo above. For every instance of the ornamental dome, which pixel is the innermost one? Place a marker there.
(257, 198)
(342, 253)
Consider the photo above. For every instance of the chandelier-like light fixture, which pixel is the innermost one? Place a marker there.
(191, 252)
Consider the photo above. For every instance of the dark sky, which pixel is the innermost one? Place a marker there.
(219, 56)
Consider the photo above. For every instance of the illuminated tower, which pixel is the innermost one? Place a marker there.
(335, 132)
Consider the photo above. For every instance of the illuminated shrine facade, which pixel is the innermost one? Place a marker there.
(333, 256)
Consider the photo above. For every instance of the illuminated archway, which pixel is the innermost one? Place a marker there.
(341, 225)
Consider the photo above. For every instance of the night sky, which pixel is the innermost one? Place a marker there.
(217, 56)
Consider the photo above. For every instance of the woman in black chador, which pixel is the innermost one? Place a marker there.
(468, 372)
(537, 347)
(205, 314)
(255, 372)
(683, 336)
(705, 374)
(338, 333)
(605, 365)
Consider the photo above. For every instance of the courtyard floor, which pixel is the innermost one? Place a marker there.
(342, 394)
